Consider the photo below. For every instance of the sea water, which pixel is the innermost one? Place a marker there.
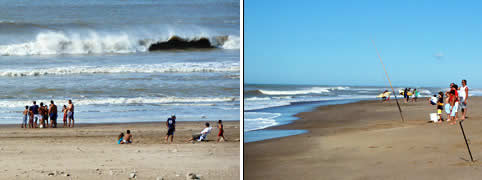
(96, 53)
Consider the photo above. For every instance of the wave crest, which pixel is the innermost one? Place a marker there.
(56, 43)
(129, 68)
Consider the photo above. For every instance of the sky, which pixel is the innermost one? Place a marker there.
(422, 43)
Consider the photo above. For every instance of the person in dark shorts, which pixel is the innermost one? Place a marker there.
(171, 127)
(34, 111)
(53, 114)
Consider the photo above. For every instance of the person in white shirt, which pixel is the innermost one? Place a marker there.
(464, 95)
(201, 136)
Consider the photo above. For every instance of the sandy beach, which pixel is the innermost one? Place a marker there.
(367, 140)
(89, 151)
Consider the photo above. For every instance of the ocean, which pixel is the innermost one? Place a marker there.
(97, 54)
(273, 105)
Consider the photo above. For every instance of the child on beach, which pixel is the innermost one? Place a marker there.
(452, 100)
(120, 138)
(221, 130)
(25, 116)
(433, 100)
(64, 110)
(127, 138)
(440, 104)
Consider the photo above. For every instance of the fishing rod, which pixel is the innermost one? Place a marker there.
(466, 143)
(386, 73)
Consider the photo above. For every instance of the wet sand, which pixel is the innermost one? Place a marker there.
(91, 152)
(367, 140)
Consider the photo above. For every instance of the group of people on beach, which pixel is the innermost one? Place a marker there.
(409, 93)
(36, 116)
(171, 128)
(456, 100)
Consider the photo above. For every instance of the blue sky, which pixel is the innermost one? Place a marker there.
(429, 43)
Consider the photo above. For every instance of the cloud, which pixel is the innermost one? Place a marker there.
(439, 56)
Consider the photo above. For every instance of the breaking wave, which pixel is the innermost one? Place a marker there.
(127, 101)
(129, 68)
(92, 42)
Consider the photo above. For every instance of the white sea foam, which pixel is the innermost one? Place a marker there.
(259, 120)
(314, 90)
(250, 105)
(129, 68)
(92, 42)
(127, 101)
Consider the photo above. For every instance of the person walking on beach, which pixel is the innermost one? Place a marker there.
(415, 95)
(34, 110)
(464, 95)
(70, 113)
(171, 127)
(25, 117)
(405, 94)
(64, 110)
(221, 130)
(53, 114)
(440, 104)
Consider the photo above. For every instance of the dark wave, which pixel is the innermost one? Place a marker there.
(252, 93)
(176, 42)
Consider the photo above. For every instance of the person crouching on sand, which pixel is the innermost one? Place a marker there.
(127, 138)
(25, 117)
(120, 138)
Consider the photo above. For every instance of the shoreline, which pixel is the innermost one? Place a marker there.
(365, 140)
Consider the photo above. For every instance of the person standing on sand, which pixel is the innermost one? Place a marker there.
(42, 117)
(34, 110)
(64, 110)
(46, 116)
(53, 114)
(70, 113)
(221, 131)
(464, 95)
(415, 95)
(25, 116)
(171, 127)
(405, 94)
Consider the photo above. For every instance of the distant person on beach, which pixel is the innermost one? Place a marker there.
(53, 114)
(452, 100)
(42, 117)
(64, 110)
(405, 94)
(171, 127)
(25, 117)
(464, 95)
(127, 138)
(433, 100)
(203, 135)
(46, 116)
(120, 138)
(415, 95)
(34, 110)
(440, 105)
(70, 113)
(221, 131)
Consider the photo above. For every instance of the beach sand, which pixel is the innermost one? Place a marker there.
(90, 151)
(367, 140)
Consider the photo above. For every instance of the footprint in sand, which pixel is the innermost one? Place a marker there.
(372, 147)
